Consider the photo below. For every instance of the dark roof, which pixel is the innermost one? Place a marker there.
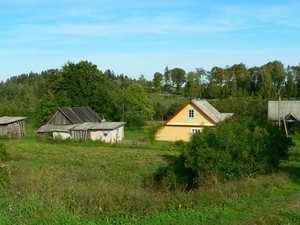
(10, 119)
(79, 114)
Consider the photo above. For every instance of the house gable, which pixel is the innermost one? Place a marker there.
(191, 118)
(190, 115)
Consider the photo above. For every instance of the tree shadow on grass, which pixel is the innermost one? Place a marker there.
(293, 172)
(292, 165)
(169, 158)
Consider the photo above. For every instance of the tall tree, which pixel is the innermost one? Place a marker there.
(296, 74)
(240, 75)
(178, 78)
(254, 73)
(167, 79)
(265, 83)
(278, 74)
(290, 84)
(139, 107)
(157, 81)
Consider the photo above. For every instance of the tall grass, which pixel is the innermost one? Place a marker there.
(92, 183)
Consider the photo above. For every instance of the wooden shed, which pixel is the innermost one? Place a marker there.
(73, 115)
(109, 132)
(12, 127)
(56, 131)
(81, 123)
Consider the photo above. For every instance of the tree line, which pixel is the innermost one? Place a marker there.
(119, 97)
(262, 82)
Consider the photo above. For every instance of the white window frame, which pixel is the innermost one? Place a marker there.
(191, 113)
(195, 130)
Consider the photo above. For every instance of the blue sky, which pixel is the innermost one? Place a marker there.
(135, 37)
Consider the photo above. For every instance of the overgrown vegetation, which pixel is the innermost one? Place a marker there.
(91, 183)
(4, 169)
(236, 148)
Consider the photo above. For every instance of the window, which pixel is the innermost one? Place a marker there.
(191, 113)
(195, 130)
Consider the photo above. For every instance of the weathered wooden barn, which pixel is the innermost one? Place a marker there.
(12, 127)
(73, 115)
(81, 123)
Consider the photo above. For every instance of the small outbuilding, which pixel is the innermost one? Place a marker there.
(81, 123)
(109, 132)
(12, 127)
(284, 113)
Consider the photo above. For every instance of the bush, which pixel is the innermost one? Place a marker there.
(3, 152)
(235, 148)
(151, 130)
(4, 170)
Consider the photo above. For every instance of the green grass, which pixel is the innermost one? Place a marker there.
(94, 183)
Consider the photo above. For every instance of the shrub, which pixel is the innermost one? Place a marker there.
(151, 130)
(3, 152)
(4, 170)
(235, 148)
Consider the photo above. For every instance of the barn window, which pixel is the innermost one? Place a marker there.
(191, 113)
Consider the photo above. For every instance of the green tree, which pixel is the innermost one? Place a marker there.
(157, 81)
(193, 85)
(296, 74)
(265, 83)
(167, 79)
(277, 72)
(290, 84)
(241, 77)
(178, 78)
(138, 107)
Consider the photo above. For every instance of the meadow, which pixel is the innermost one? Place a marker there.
(66, 182)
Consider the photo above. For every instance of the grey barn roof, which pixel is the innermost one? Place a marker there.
(99, 126)
(53, 128)
(84, 126)
(286, 107)
(211, 111)
(79, 114)
(9, 119)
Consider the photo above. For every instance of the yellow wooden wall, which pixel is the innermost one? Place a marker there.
(182, 118)
(179, 127)
(173, 133)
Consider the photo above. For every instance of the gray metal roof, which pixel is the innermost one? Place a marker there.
(211, 111)
(79, 114)
(99, 126)
(276, 110)
(52, 128)
(84, 126)
(10, 119)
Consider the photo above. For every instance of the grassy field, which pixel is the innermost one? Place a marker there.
(93, 183)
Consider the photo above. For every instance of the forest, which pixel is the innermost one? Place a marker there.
(117, 97)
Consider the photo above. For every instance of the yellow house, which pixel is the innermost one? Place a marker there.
(193, 117)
